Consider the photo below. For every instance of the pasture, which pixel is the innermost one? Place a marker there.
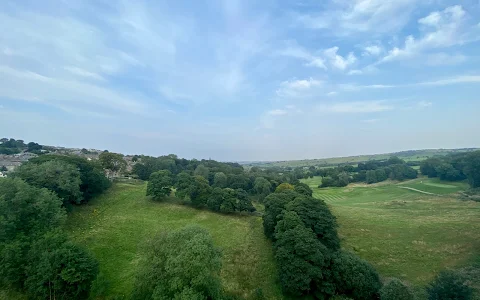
(405, 233)
(115, 225)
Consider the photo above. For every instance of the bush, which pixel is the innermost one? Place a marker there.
(449, 285)
(183, 264)
(355, 277)
(160, 184)
(60, 268)
(396, 290)
(284, 187)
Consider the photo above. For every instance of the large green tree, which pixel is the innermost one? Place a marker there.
(26, 213)
(59, 269)
(274, 205)
(183, 264)
(160, 184)
(262, 187)
(55, 175)
(449, 285)
(395, 289)
(201, 170)
(112, 162)
(472, 169)
(199, 191)
(220, 180)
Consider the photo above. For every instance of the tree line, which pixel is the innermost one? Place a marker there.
(454, 167)
(12, 146)
(36, 256)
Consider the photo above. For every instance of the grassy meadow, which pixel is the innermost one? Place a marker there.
(405, 233)
(115, 225)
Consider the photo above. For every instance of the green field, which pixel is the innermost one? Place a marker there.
(115, 225)
(405, 233)
(412, 155)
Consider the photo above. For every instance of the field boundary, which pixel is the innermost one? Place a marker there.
(417, 190)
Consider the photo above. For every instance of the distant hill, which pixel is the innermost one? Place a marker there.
(409, 155)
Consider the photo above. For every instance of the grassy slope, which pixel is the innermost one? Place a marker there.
(404, 233)
(415, 155)
(115, 225)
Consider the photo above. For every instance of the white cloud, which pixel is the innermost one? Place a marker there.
(332, 93)
(444, 59)
(442, 29)
(337, 61)
(424, 104)
(361, 16)
(372, 50)
(370, 121)
(83, 73)
(355, 72)
(356, 107)
(277, 112)
(453, 80)
(292, 49)
(297, 87)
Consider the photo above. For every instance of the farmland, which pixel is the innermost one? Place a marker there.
(125, 218)
(411, 155)
(402, 232)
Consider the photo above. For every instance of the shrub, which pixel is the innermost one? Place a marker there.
(449, 285)
(396, 290)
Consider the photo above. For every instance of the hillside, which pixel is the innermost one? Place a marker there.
(410, 155)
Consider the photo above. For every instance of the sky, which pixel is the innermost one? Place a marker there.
(240, 80)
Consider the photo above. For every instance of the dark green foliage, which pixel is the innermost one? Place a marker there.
(3, 169)
(395, 289)
(93, 180)
(55, 175)
(449, 285)
(113, 162)
(239, 181)
(59, 269)
(160, 184)
(220, 180)
(355, 277)
(472, 169)
(428, 167)
(199, 191)
(447, 172)
(402, 172)
(303, 189)
(274, 205)
(182, 264)
(26, 210)
(201, 170)
(11, 146)
(316, 215)
(262, 187)
(371, 176)
(300, 257)
(284, 187)
(228, 200)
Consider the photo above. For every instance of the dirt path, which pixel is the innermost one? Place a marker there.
(412, 189)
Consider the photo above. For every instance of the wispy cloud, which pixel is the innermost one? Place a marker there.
(298, 87)
(356, 107)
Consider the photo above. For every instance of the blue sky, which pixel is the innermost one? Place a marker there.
(242, 80)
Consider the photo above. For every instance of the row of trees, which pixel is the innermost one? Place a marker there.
(36, 256)
(12, 146)
(197, 189)
(307, 250)
(74, 179)
(369, 172)
(454, 167)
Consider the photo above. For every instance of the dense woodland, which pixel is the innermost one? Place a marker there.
(38, 259)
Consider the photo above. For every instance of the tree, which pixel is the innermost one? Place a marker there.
(229, 203)
(199, 191)
(262, 187)
(428, 167)
(3, 169)
(283, 187)
(215, 199)
(447, 172)
(220, 180)
(396, 290)
(303, 189)
(300, 256)
(381, 175)
(449, 285)
(160, 184)
(355, 277)
(371, 176)
(113, 162)
(201, 170)
(243, 201)
(93, 179)
(472, 169)
(274, 205)
(316, 215)
(26, 212)
(55, 175)
(60, 269)
(183, 264)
